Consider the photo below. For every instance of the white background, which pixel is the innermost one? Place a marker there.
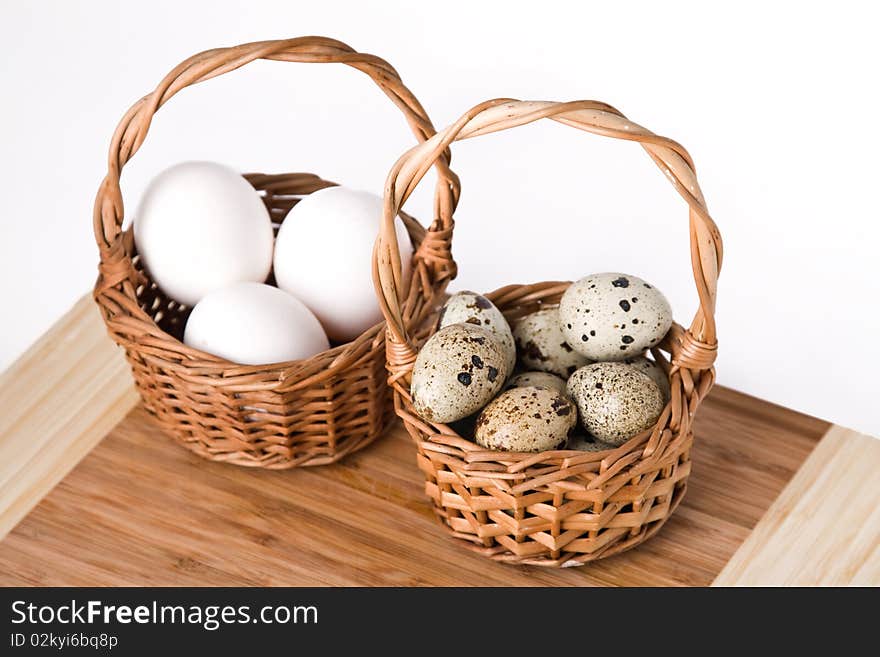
(778, 104)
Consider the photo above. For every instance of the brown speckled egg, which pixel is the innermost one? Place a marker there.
(538, 379)
(653, 370)
(611, 317)
(581, 444)
(528, 419)
(472, 308)
(615, 401)
(458, 370)
(541, 345)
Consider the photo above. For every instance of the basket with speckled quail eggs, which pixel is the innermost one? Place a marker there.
(574, 376)
(553, 421)
(549, 418)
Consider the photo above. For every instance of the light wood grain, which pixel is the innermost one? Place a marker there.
(141, 510)
(824, 528)
(56, 402)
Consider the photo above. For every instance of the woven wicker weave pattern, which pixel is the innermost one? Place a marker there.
(557, 508)
(308, 412)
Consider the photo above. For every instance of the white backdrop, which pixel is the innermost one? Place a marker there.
(777, 104)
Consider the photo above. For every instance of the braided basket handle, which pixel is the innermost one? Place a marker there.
(133, 128)
(694, 348)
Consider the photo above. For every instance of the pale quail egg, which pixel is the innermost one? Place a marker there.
(582, 444)
(539, 379)
(472, 308)
(653, 370)
(458, 370)
(542, 346)
(613, 316)
(615, 401)
(528, 419)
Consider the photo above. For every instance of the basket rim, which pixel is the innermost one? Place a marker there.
(210, 360)
(341, 355)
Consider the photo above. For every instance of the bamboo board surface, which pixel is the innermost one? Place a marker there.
(56, 403)
(789, 546)
(139, 510)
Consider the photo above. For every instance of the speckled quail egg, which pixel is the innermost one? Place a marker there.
(473, 308)
(615, 401)
(528, 419)
(458, 370)
(539, 379)
(653, 370)
(611, 316)
(541, 345)
(584, 444)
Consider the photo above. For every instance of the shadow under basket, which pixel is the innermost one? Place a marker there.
(309, 412)
(563, 507)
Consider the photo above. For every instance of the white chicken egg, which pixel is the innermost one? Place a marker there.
(200, 226)
(323, 256)
(254, 324)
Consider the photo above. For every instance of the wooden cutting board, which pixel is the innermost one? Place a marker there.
(140, 510)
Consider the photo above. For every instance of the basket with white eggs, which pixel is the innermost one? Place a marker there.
(245, 303)
(553, 421)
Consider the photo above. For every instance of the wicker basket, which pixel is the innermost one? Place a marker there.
(564, 507)
(308, 412)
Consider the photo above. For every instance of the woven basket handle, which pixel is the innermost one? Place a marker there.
(694, 348)
(133, 128)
